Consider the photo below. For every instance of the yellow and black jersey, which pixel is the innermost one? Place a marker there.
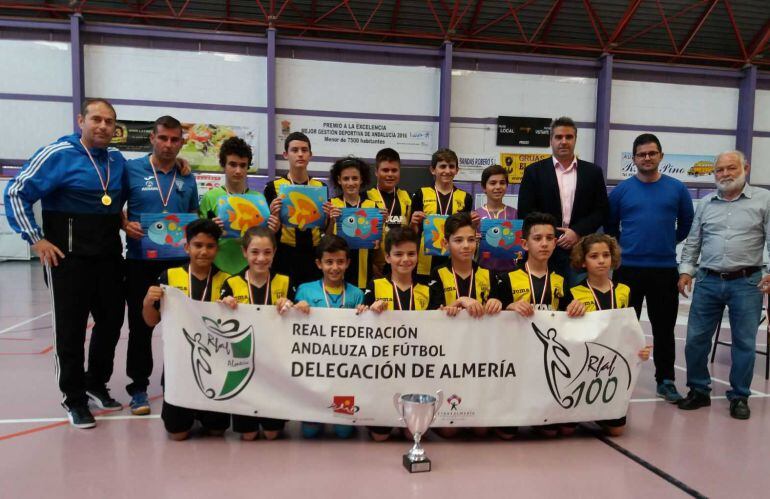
(583, 293)
(399, 208)
(445, 291)
(291, 236)
(198, 289)
(427, 200)
(238, 287)
(515, 286)
(383, 289)
(398, 205)
(360, 269)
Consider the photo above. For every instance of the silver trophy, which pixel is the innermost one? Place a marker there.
(417, 411)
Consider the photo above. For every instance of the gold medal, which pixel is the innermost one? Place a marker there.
(106, 199)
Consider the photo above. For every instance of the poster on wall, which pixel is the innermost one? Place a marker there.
(515, 163)
(471, 165)
(202, 141)
(340, 137)
(208, 181)
(523, 131)
(689, 168)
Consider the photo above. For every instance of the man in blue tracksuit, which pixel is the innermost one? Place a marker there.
(79, 181)
(153, 184)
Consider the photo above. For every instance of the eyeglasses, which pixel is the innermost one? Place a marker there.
(651, 154)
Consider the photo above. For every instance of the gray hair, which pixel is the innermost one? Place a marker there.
(738, 154)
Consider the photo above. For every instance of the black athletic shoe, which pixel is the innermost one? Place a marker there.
(739, 409)
(694, 400)
(80, 416)
(102, 400)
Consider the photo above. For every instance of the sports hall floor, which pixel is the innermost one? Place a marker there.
(664, 453)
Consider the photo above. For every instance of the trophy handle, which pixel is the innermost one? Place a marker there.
(399, 405)
(439, 401)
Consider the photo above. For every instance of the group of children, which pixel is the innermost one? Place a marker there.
(395, 276)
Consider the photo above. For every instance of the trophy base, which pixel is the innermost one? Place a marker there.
(416, 466)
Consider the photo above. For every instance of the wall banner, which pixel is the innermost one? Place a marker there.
(685, 167)
(335, 366)
(340, 137)
(471, 165)
(202, 141)
(516, 163)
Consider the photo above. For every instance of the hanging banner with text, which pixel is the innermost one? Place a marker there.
(333, 366)
(514, 163)
(339, 137)
(688, 168)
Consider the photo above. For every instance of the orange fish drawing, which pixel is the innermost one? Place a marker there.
(437, 239)
(244, 215)
(302, 210)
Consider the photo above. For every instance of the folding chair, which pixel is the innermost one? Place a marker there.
(765, 352)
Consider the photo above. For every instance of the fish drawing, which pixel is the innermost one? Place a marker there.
(503, 236)
(243, 214)
(357, 225)
(436, 235)
(302, 210)
(167, 231)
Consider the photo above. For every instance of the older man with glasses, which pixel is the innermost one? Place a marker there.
(728, 233)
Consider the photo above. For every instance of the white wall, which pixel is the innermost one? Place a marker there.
(760, 161)
(762, 111)
(644, 103)
(175, 75)
(27, 126)
(357, 88)
(760, 155)
(483, 94)
(35, 67)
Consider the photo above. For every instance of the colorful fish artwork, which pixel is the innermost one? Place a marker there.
(433, 235)
(501, 238)
(240, 212)
(164, 235)
(360, 227)
(303, 206)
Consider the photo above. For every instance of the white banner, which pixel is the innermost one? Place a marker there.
(688, 168)
(338, 137)
(335, 367)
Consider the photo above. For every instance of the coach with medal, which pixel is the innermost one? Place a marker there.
(154, 185)
(79, 181)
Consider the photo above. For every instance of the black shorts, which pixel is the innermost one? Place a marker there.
(250, 424)
(180, 419)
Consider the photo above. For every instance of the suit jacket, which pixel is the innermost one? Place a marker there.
(539, 191)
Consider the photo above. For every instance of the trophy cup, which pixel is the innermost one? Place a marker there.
(418, 412)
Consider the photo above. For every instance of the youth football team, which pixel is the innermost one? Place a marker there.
(290, 268)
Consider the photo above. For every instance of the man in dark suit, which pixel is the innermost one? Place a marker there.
(570, 189)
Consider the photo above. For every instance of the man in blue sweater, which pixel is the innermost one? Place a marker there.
(650, 213)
